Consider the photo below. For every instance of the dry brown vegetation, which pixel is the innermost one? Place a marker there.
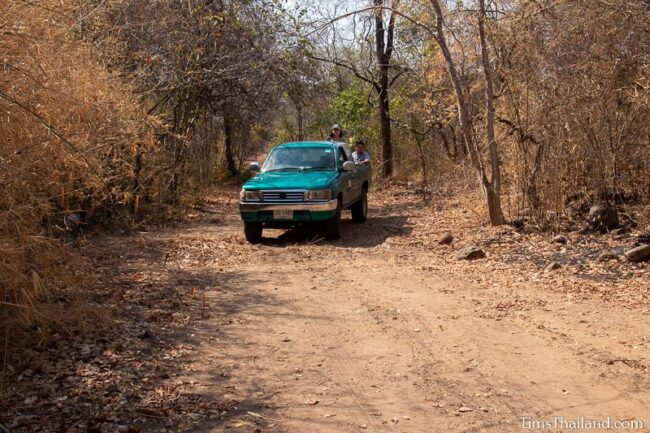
(71, 134)
(105, 121)
(207, 337)
(575, 101)
(571, 101)
(547, 101)
(111, 111)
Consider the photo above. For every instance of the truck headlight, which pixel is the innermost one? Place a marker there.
(245, 195)
(319, 194)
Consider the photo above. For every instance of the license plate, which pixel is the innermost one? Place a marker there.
(283, 214)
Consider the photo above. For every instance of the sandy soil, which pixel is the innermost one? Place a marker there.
(381, 333)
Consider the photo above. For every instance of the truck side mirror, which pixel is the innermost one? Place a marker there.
(254, 166)
(348, 166)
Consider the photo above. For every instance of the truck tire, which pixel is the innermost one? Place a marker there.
(253, 232)
(360, 208)
(333, 226)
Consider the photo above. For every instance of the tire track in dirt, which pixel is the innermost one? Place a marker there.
(353, 381)
(572, 375)
(394, 348)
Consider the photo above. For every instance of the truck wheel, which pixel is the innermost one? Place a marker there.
(253, 232)
(333, 226)
(360, 208)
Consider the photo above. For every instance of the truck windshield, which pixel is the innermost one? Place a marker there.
(300, 158)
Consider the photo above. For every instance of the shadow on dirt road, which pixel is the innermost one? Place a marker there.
(372, 233)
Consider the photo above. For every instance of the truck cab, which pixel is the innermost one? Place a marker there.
(304, 183)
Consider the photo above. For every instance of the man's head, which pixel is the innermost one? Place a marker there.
(360, 146)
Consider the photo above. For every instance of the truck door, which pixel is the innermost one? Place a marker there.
(347, 178)
(355, 190)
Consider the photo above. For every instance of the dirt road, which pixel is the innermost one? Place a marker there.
(382, 331)
(378, 333)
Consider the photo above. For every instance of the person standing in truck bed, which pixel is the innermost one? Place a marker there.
(336, 133)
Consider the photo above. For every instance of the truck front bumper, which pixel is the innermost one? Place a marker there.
(302, 212)
(319, 206)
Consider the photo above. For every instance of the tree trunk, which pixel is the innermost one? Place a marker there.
(496, 214)
(228, 144)
(423, 163)
(492, 195)
(445, 143)
(532, 192)
(137, 171)
(418, 141)
(460, 150)
(300, 121)
(385, 128)
(384, 51)
(180, 122)
(494, 205)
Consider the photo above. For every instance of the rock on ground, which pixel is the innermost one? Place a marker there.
(603, 218)
(470, 252)
(553, 266)
(518, 223)
(559, 239)
(607, 256)
(638, 254)
(446, 239)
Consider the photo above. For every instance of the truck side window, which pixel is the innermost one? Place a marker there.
(342, 156)
(348, 153)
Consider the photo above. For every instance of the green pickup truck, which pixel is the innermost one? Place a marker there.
(304, 183)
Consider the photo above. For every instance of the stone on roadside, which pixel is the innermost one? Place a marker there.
(559, 239)
(146, 334)
(638, 254)
(603, 218)
(552, 267)
(446, 239)
(470, 252)
(585, 230)
(606, 256)
(518, 223)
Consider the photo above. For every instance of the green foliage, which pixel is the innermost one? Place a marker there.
(284, 132)
(350, 108)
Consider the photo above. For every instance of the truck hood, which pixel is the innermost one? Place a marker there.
(291, 180)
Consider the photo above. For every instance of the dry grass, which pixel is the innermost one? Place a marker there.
(70, 134)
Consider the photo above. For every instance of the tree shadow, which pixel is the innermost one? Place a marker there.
(236, 304)
(132, 374)
(231, 298)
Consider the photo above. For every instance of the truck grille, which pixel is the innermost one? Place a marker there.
(283, 196)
